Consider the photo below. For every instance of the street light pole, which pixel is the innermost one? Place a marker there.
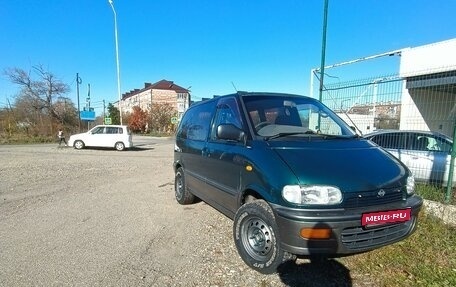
(78, 82)
(117, 59)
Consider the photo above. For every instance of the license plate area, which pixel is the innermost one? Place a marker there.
(385, 217)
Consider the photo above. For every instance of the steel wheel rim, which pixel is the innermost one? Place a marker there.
(179, 186)
(257, 238)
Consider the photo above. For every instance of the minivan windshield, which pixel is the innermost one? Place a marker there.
(274, 116)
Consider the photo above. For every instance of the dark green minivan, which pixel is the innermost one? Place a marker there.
(294, 177)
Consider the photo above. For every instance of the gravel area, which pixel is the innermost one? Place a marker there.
(105, 218)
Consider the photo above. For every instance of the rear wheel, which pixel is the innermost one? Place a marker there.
(257, 239)
(78, 144)
(120, 146)
(183, 196)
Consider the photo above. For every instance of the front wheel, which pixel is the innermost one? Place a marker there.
(78, 144)
(257, 239)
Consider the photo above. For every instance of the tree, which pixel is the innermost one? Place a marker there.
(41, 93)
(39, 102)
(66, 111)
(160, 118)
(113, 113)
(138, 120)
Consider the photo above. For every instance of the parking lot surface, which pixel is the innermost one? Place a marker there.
(96, 217)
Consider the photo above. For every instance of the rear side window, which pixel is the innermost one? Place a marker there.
(113, 130)
(196, 122)
(391, 141)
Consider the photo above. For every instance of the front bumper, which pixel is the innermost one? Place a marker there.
(348, 236)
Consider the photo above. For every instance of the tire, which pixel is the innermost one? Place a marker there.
(78, 144)
(183, 196)
(257, 238)
(119, 146)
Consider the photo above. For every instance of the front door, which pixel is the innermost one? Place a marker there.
(96, 137)
(225, 158)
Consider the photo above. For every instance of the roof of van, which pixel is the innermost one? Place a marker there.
(244, 93)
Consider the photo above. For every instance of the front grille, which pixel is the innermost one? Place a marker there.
(376, 197)
(356, 238)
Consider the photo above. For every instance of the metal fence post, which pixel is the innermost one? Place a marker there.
(450, 175)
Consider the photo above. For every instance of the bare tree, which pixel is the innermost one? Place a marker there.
(41, 93)
(41, 96)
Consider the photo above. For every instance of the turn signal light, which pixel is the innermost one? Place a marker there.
(315, 233)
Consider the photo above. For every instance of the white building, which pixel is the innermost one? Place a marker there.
(429, 93)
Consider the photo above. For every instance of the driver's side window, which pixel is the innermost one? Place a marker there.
(99, 130)
(227, 113)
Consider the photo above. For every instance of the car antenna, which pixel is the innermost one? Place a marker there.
(234, 86)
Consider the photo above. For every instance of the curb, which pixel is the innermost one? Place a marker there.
(446, 212)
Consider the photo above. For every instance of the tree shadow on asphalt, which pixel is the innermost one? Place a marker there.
(315, 273)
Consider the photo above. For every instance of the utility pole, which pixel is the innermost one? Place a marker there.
(78, 82)
(104, 111)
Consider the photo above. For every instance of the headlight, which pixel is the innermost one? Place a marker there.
(312, 194)
(410, 185)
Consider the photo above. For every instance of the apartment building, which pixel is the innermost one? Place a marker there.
(158, 93)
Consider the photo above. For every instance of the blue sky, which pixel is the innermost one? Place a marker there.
(209, 45)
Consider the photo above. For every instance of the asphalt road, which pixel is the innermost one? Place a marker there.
(97, 217)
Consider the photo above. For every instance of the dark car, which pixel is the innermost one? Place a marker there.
(296, 180)
(427, 154)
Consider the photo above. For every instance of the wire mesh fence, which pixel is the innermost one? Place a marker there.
(414, 118)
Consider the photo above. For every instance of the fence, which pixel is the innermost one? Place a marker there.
(400, 112)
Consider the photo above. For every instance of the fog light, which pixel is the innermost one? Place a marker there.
(315, 233)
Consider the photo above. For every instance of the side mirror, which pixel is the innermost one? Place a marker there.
(230, 132)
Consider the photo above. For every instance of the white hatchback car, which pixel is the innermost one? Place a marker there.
(109, 136)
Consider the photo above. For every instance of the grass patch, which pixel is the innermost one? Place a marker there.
(427, 258)
(435, 193)
(25, 139)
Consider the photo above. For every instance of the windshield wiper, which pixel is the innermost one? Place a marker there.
(279, 135)
(309, 133)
